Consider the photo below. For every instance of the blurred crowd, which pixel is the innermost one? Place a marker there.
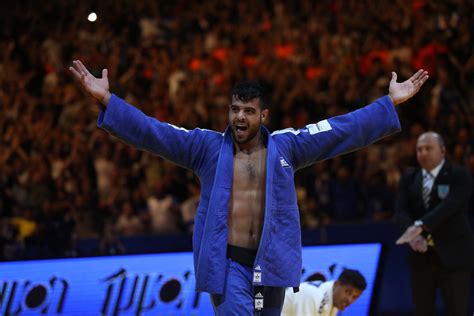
(62, 178)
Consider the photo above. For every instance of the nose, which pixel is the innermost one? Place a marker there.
(240, 115)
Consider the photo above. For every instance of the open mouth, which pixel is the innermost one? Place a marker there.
(240, 129)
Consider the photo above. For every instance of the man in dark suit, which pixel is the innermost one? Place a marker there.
(432, 209)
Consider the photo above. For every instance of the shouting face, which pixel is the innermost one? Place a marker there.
(245, 119)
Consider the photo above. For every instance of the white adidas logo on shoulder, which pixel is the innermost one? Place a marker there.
(283, 162)
(258, 268)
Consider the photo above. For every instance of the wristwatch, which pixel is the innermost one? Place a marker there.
(418, 223)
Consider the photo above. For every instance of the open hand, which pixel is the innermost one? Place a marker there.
(97, 87)
(402, 91)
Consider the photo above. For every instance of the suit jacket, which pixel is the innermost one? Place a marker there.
(446, 219)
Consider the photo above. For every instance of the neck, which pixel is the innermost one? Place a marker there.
(434, 167)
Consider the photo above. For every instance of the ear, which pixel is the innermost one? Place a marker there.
(264, 115)
(337, 284)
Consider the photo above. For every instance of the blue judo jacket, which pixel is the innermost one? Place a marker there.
(210, 155)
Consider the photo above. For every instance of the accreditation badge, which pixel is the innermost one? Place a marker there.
(443, 191)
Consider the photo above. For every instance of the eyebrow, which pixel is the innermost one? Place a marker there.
(243, 106)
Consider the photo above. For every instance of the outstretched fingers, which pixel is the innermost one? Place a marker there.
(75, 73)
(82, 69)
(416, 76)
(419, 78)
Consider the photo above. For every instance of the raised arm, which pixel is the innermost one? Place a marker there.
(184, 147)
(187, 148)
(349, 132)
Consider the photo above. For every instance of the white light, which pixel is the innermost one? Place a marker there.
(92, 17)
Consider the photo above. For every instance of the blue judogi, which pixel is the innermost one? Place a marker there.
(210, 155)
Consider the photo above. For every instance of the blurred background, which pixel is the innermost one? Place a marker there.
(69, 189)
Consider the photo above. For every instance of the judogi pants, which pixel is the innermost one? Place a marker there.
(240, 297)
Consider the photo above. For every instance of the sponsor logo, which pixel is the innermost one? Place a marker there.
(257, 277)
(141, 293)
(283, 162)
(322, 126)
(25, 296)
(258, 301)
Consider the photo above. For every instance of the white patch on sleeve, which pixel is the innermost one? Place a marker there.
(321, 126)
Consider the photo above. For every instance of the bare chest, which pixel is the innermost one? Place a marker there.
(247, 203)
(249, 170)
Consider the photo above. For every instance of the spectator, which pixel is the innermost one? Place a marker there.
(128, 223)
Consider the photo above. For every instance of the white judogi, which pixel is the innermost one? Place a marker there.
(313, 298)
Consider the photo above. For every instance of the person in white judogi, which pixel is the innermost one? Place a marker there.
(324, 298)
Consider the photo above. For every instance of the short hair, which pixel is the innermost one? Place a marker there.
(250, 89)
(354, 278)
(437, 136)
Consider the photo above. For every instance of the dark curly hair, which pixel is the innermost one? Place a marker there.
(250, 89)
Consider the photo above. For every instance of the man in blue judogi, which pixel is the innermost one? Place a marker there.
(247, 239)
